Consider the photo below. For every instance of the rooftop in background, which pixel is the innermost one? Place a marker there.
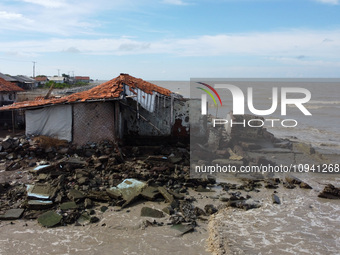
(6, 86)
(7, 77)
(109, 90)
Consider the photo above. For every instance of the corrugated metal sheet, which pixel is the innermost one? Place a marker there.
(147, 101)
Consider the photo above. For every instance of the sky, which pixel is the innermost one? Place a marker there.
(171, 39)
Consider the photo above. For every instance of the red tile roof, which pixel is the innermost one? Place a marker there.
(82, 78)
(109, 90)
(6, 86)
(41, 78)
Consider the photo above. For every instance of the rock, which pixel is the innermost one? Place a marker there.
(276, 199)
(129, 189)
(305, 148)
(43, 168)
(288, 185)
(271, 184)
(202, 189)
(175, 160)
(41, 191)
(293, 180)
(183, 228)
(150, 212)
(244, 204)
(210, 209)
(74, 194)
(84, 219)
(150, 193)
(330, 192)
(168, 197)
(94, 219)
(99, 196)
(168, 210)
(114, 193)
(39, 204)
(68, 205)
(82, 180)
(6, 144)
(304, 185)
(103, 208)
(12, 214)
(49, 219)
(88, 203)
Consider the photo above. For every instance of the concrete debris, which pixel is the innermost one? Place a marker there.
(150, 212)
(76, 180)
(12, 214)
(183, 228)
(276, 199)
(39, 204)
(330, 192)
(68, 205)
(49, 219)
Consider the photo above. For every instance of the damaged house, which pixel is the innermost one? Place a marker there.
(124, 107)
(8, 95)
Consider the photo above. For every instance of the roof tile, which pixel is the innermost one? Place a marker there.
(6, 86)
(107, 90)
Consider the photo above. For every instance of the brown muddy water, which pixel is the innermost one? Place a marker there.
(118, 232)
(301, 224)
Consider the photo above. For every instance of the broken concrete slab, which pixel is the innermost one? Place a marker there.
(114, 193)
(150, 212)
(76, 161)
(41, 191)
(12, 214)
(129, 189)
(68, 205)
(41, 169)
(74, 194)
(183, 228)
(49, 219)
(168, 197)
(84, 219)
(150, 193)
(39, 204)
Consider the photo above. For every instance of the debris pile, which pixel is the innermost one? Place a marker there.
(60, 183)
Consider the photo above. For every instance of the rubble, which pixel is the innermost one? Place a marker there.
(49, 219)
(150, 212)
(330, 192)
(12, 214)
(65, 184)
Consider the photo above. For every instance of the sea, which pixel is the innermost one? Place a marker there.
(302, 223)
(321, 129)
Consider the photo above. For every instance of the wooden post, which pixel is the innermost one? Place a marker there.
(13, 122)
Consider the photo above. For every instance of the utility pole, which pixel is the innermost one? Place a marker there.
(58, 72)
(34, 68)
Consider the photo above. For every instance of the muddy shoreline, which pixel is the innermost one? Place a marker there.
(183, 214)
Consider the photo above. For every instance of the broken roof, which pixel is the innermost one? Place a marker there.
(6, 86)
(106, 91)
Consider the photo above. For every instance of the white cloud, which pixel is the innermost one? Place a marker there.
(48, 3)
(12, 16)
(279, 44)
(333, 2)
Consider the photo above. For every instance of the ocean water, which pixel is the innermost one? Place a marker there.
(321, 129)
(302, 223)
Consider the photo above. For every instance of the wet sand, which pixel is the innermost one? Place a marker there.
(118, 232)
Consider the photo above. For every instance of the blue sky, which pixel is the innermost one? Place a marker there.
(171, 39)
